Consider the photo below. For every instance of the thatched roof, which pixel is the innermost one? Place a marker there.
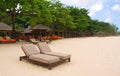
(4, 27)
(40, 27)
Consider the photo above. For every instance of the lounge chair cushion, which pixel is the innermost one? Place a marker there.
(43, 47)
(29, 49)
(44, 58)
(58, 54)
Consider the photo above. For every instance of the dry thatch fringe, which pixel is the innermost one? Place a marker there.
(102, 34)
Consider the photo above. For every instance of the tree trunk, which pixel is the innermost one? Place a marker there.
(13, 19)
(14, 33)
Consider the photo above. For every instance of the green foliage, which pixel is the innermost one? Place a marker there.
(81, 18)
(118, 33)
(98, 26)
(61, 18)
(53, 14)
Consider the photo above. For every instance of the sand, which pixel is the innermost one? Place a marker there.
(91, 56)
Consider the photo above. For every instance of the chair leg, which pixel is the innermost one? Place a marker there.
(20, 58)
(69, 59)
(49, 66)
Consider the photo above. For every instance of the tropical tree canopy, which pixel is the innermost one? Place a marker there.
(23, 13)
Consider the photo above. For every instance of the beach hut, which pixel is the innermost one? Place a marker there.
(4, 33)
(41, 30)
(5, 27)
(40, 27)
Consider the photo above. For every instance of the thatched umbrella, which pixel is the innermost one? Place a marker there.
(40, 27)
(5, 27)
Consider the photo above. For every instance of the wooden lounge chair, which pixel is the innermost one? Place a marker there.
(32, 40)
(44, 48)
(32, 54)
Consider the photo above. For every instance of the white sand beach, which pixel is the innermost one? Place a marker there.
(90, 56)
